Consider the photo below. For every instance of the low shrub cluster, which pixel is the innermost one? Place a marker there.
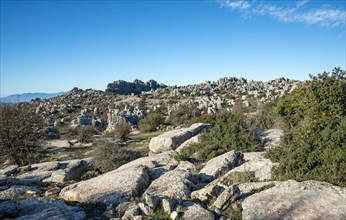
(229, 132)
(315, 141)
(151, 122)
(109, 156)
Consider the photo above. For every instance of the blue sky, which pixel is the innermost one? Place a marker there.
(51, 46)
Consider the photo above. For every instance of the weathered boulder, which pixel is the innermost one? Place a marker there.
(229, 195)
(297, 200)
(9, 170)
(113, 187)
(220, 165)
(175, 184)
(256, 163)
(195, 211)
(14, 192)
(192, 140)
(40, 208)
(71, 170)
(173, 139)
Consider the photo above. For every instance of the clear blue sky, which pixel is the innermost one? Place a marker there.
(51, 46)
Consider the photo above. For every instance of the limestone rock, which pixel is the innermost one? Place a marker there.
(255, 162)
(229, 195)
(112, 187)
(270, 137)
(195, 211)
(173, 139)
(72, 170)
(41, 208)
(14, 192)
(220, 165)
(9, 170)
(174, 184)
(297, 200)
(192, 140)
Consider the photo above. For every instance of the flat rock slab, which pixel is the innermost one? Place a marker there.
(297, 200)
(173, 139)
(39, 208)
(58, 143)
(255, 162)
(113, 187)
(220, 165)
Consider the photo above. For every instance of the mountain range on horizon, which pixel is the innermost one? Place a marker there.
(15, 98)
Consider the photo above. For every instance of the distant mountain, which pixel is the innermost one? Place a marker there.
(25, 97)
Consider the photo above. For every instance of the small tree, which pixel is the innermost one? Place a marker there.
(86, 134)
(20, 133)
(151, 122)
(122, 131)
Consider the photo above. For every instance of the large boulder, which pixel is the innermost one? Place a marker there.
(39, 208)
(171, 140)
(113, 187)
(256, 163)
(220, 165)
(297, 200)
(175, 184)
(195, 211)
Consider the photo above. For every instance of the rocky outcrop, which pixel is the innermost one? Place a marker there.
(220, 165)
(39, 208)
(297, 200)
(173, 139)
(256, 163)
(112, 187)
(136, 87)
(192, 140)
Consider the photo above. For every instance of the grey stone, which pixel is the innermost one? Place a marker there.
(173, 139)
(9, 170)
(147, 210)
(113, 187)
(297, 200)
(15, 192)
(229, 195)
(220, 165)
(256, 163)
(174, 184)
(168, 205)
(197, 212)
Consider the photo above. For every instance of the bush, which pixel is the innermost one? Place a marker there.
(314, 146)
(20, 133)
(183, 114)
(122, 131)
(151, 122)
(109, 156)
(86, 134)
(229, 132)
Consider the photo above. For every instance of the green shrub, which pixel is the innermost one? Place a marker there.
(20, 134)
(86, 134)
(109, 156)
(314, 146)
(183, 114)
(122, 131)
(151, 122)
(229, 132)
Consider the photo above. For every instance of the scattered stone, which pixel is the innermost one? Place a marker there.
(15, 192)
(147, 210)
(174, 215)
(151, 200)
(168, 205)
